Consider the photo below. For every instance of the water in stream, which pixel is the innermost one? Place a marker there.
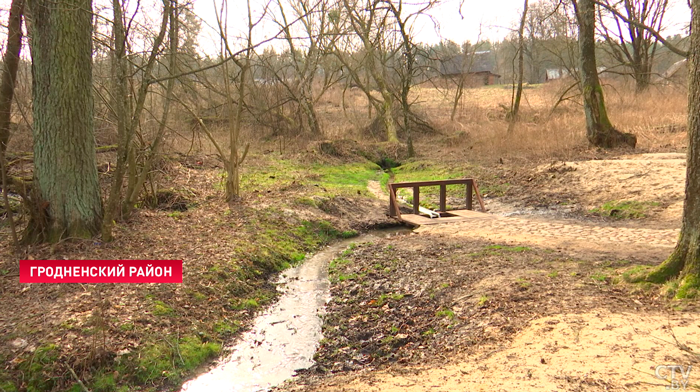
(285, 337)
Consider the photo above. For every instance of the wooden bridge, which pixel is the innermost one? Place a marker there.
(424, 216)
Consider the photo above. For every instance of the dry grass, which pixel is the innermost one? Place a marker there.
(658, 118)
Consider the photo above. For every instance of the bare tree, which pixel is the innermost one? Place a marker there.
(368, 21)
(378, 55)
(655, 33)
(306, 51)
(599, 130)
(518, 92)
(407, 70)
(10, 61)
(66, 188)
(236, 155)
(128, 113)
(629, 43)
(684, 263)
(7, 91)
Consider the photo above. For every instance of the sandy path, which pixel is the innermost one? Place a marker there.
(572, 237)
(599, 351)
(617, 351)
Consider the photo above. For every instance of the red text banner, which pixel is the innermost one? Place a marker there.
(100, 271)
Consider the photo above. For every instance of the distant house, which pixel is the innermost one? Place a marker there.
(555, 73)
(677, 73)
(478, 69)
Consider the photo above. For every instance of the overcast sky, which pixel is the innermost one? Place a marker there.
(488, 19)
(446, 22)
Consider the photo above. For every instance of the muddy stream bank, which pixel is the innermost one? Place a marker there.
(283, 338)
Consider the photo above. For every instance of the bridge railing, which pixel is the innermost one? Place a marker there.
(471, 189)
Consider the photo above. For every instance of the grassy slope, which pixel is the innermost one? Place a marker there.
(147, 337)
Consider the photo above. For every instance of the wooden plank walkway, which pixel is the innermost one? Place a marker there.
(445, 217)
(418, 219)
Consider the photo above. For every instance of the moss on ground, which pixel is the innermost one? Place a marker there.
(320, 179)
(625, 209)
(269, 241)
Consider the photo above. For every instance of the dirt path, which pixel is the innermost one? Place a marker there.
(599, 351)
(592, 349)
(571, 237)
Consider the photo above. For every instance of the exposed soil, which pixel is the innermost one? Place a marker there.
(228, 257)
(529, 297)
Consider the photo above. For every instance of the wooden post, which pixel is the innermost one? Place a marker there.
(416, 199)
(469, 194)
(392, 202)
(478, 197)
(443, 198)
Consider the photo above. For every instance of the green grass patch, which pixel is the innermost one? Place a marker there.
(327, 180)
(104, 382)
(38, 368)
(275, 244)
(337, 263)
(244, 304)
(495, 250)
(340, 277)
(599, 277)
(305, 201)
(448, 313)
(177, 215)
(347, 179)
(349, 250)
(523, 283)
(688, 286)
(226, 328)
(5, 382)
(384, 298)
(168, 361)
(635, 273)
(625, 209)
(198, 296)
(513, 249)
(160, 308)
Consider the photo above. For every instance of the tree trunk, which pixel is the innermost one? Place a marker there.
(65, 169)
(120, 103)
(643, 78)
(515, 107)
(7, 92)
(599, 129)
(458, 96)
(169, 13)
(684, 262)
(9, 72)
(307, 105)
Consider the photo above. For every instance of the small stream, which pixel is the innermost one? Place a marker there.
(283, 338)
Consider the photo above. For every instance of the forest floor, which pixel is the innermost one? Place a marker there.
(529, 296)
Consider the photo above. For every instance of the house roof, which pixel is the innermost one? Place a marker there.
(673, 69)
(479, 62)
